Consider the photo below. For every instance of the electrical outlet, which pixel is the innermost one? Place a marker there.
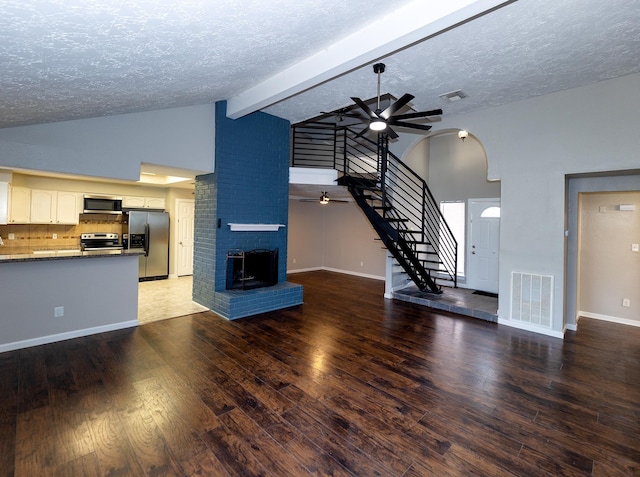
(635, 247)
(58, 311)
(294, 260)
(12, 236)
(626, 302)
(362, 264)
(54, 236)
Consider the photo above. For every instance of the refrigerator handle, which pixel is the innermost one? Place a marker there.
(147, 240)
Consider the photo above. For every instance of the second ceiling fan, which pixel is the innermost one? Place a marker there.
(324, 199)
(381, 120)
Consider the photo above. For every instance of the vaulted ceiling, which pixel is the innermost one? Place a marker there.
(70, 59)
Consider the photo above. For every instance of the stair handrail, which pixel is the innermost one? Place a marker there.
(428, 218)
(341, 148)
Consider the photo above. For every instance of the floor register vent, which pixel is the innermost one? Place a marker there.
(531, 298)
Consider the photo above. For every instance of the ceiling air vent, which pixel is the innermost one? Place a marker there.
(453, 96)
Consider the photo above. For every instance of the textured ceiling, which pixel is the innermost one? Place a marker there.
(69, 59)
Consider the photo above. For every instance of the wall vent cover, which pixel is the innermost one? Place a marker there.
(531, 298)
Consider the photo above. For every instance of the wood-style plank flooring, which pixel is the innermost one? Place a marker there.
(346, 384)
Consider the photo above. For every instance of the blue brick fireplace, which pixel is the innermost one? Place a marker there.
(250, 185)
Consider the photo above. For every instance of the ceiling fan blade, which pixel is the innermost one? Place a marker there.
(364, 107)
(421, 114)
(391, 133)
(340, 113)
(402, 124)
(387, 113)
(363, 132)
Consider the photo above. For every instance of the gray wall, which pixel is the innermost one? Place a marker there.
(93, 302)
(575, 187)
(608, 270)
(334, 236)
(531, 146)
(458, 170)
(114, 146)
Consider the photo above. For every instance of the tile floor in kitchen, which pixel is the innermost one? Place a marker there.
(162, 299)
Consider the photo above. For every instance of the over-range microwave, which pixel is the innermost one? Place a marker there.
(102, 204)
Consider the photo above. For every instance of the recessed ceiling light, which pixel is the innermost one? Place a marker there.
(453, 95)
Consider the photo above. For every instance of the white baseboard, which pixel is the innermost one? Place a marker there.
(612, 319)
(532, 328)
(349, 272)
(302, 270)
(66, 336)
(336, 270)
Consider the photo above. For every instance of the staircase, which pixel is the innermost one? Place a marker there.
(395, 200)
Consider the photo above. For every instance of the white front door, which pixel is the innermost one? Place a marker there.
(484, 244)
(185, 210)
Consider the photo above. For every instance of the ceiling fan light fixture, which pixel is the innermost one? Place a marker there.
(377, 125)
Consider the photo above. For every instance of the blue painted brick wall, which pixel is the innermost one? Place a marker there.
(250, 185)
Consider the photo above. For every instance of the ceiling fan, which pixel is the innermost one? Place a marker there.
(381, 120)
(342, 113)
(324, 199)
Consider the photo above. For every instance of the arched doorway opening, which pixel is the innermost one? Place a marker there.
(456, 172)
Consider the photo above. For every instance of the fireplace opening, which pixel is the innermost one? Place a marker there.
(251, 269)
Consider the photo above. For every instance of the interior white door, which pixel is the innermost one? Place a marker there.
(186, 209)
(484, 244)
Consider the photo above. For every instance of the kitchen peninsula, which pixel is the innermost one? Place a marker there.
(64, 294)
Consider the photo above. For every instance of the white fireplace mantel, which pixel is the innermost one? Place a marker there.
(255, 227)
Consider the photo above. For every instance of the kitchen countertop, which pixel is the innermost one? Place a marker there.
(67, 254)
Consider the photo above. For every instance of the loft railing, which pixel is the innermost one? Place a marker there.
(418, 217)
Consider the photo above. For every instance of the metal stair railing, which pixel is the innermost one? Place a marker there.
(405, 197)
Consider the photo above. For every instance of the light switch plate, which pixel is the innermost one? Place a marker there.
(635, 247)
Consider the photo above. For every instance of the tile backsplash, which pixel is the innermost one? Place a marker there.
(30, 237)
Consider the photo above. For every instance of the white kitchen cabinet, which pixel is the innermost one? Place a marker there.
(154, 203)
(19, 205)
(133, 202)
(68, 208)
(43, 206)
(54, 207)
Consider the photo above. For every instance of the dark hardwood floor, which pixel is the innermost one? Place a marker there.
(346, 384)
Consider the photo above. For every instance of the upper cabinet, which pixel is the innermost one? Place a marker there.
(132, 202)
(68, 208)
(19, 205)
(43, 206)
(40, 206)
(53, 207)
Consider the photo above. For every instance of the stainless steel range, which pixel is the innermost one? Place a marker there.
(99, 241)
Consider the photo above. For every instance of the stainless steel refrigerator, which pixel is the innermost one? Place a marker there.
(150, 232)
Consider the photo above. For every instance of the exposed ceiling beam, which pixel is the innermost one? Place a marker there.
(407, 25)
